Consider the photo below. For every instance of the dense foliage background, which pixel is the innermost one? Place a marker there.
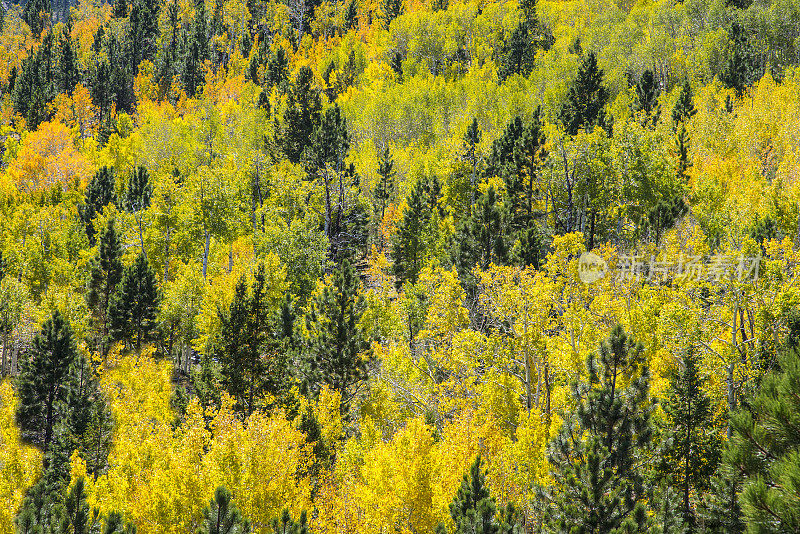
(312, 266)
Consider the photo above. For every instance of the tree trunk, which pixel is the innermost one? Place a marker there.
(205, 253)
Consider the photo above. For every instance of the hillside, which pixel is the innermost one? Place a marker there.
(399, 266)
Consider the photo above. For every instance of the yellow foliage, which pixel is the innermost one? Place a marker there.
(19, 464)
(48, 157)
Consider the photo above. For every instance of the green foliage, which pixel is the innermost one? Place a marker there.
(338, 345)
(595, 457)
(302, 115)
(45, 381)
(100, 192)
(139, 191)
(692, 448)
(412, 244)
(105, 276)
(285, 525)
(482, 239)
(133, 307)
(222, 516)
(586, 100)
(765, 448)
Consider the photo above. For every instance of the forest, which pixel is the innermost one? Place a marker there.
(399, 266)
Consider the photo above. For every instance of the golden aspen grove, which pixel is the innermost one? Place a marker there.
(399, 266)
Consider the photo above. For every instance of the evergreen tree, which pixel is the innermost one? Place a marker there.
(35, 85)
(351, 15)
(519, 51)
(44, 384)
(471, 140)
(133, 308)
(740, 67)
(473, 510)
(285, 525)
(143, 23)
(277, 70)
(120, 9)
(37, 13)
(595, 456)
(647, 92)
(719, 511)
(684, 107)
(137, 199)
(243, 335)
(384, 189)
(196, 50)
(765, 449)
(302, 115)
(482, 237)
(222, 517)
(692, 448)
(586, 100)
(77, 518)
(68, 75)
(338, 343)
(114, 524)
(391, 10)
(521, 170)
(106, 274)
(99, 194)
(410, 244)
(664, 215)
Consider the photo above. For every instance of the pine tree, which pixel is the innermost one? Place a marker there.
(471, 140)
(351, 15)
(594, 457)
(740, 67)
(120, 9)
(99, 194)
(765, 448)
(391, 10)
(114, 524)
(243, 335)
(684, 107)
(338, 343)
(133, 308)
(586, 100)
(196, 50)
(44, 384)
(285, 525)
(68, 75)
(77, 518)
(384, 189)
(37, 13)
(647, 92)
(410, 243)
(277, 71)
(105, 276)
(473, 509)
(719, 511)
(222, 517)
(521, 169)
(692, 449)
(482, 237)
(302, 115)
(143, 23)
(137, 199)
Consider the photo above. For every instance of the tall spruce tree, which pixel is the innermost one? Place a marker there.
(411, 242)
(302, 115)
(99, 194)
(44, 382)
(222, 516)
(105, 276)
(519, 50)
(482, 238)
(68, 75)
(719, 510)
(471, 140)
(586, 100)
(133, 308)
(740, 68)
(765, 449)
(595, 458)
(384, 189)
(338, 345)
(245, 372)
(647, 93)
(137, 199)
(38, 15)
(692, 448)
